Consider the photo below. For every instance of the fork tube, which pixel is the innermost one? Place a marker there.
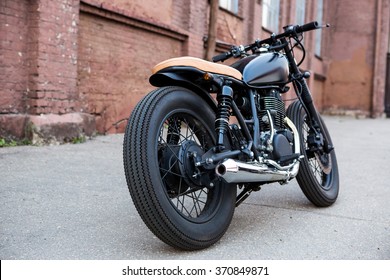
(306, 94)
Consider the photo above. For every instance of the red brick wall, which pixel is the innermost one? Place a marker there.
(13, 56)
(115, 62)
(53, 76)
(39, 95)
(356, 45)
(350, 72)
(197, 26)
(39, 51)
(154, 11)
(180, 14)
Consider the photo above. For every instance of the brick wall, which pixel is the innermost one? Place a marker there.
(197, 24)
(353, 57)
(357, 48)
(115, 61)
(14, 56)
(14, 62)
(53, 55)
(39, 95)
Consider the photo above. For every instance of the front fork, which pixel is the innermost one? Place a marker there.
(317, 139)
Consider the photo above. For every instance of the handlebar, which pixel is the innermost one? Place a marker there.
(289, 31)
(222, 56)
(307, 27)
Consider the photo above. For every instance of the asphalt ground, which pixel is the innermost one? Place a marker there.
(71, 202)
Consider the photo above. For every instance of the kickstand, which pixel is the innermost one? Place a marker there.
(244, 194)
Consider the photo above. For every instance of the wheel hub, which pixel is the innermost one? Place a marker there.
(179, 170)
(189, 151)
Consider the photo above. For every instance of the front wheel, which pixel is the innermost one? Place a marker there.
(180, 203)
(318, 174)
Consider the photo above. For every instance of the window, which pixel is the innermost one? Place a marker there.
(300, 6)
(318, 42)
(271, 15)
(230, 5)
(300, 12)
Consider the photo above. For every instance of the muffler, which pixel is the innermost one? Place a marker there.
(233, 171)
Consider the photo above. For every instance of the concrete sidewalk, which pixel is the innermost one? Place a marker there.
(72, 202)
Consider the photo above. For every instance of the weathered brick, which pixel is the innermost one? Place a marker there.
(110, 73)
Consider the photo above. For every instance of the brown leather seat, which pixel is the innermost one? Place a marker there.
(199, 64)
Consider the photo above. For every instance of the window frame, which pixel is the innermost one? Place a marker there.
(318, 32)
(271, 15)
(300, 12)
(233, 6)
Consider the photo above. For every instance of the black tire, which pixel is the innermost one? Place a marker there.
(152, 154)
(319, 183)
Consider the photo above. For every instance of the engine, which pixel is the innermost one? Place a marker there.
(278, 149)
(276, 139)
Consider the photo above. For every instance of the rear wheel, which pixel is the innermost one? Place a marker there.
(180, 203)
(318, 174)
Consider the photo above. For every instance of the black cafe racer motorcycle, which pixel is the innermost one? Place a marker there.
(211, 134)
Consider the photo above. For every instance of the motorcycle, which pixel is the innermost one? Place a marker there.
(211, 134)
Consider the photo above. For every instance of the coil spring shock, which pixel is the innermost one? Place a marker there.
(222, 120)
(174, 127)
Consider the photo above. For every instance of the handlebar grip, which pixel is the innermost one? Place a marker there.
(307, 27)
(221, 57)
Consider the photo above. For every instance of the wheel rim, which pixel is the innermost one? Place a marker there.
(322, 176)
(180, 136)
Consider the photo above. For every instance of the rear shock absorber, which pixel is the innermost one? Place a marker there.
(174, 127)
(224, 99)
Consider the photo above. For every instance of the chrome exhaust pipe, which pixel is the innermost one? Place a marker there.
(233, 171)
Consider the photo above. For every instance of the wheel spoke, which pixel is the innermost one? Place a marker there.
(183, 207)
(315, 166)
(188, 198)
(169, 171)
(194, 203)
(190, 134)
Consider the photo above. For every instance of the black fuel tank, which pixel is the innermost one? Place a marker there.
(266, 69)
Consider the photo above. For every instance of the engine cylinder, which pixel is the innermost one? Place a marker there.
(271, 102)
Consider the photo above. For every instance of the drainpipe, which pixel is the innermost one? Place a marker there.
(212, 32)
(378, 88)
